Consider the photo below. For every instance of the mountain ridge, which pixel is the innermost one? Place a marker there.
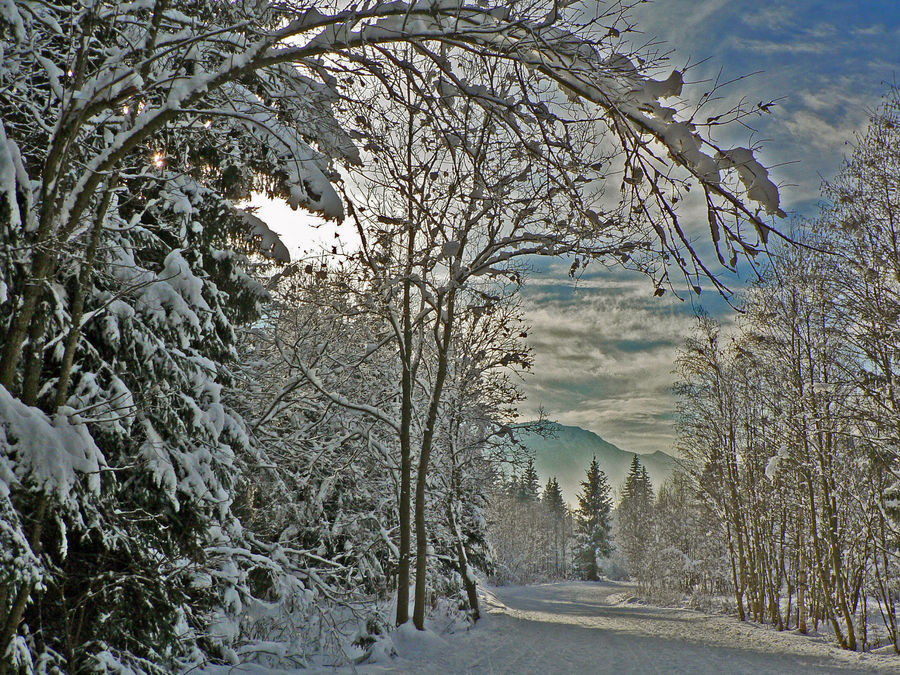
(567, 453)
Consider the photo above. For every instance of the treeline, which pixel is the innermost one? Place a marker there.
(791, 420)
(669, 542)
(530, 532)
(665, 541)
(535, 536)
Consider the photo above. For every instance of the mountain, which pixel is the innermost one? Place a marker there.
(567, 451)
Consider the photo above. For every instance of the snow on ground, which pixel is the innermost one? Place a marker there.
(597, 628)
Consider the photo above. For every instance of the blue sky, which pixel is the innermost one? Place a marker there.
(604, 350)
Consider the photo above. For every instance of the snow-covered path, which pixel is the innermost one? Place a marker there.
(591, 628)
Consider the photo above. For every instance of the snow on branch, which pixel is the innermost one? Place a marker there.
(313, 379)
(55, 454)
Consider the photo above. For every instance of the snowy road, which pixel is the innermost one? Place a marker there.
(591, 628)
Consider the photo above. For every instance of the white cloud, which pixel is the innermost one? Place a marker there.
(809, 45)
(773, 18)
(604, 358)
(813, 131)
(681, 23)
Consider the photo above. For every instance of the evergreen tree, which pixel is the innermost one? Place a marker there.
(511, 487)
(529, 484)
(637, 483)
(634, 516)
(559, 529)
(552, 497)
(592, 523)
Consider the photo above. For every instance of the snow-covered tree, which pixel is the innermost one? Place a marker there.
(560, 525)
(531, 538)
(634, 516)
(592, 522)
(779, 424)
(331, 466)
(686, 552)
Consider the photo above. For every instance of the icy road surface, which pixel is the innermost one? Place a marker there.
(592, 628)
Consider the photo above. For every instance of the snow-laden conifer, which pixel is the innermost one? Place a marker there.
(592, 523)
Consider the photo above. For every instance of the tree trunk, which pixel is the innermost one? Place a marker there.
(10, 624)
(463, 564)
(77, 312)
(443, 343)
(405, 450)
(406, 386)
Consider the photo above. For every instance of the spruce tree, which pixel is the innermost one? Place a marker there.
(634, 516)
(637, 483)
(647, 486)
(529, 484)
(558, 517)
(511, 487)
(592, 523)
(553, 497)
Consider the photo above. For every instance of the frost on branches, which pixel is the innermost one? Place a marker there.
(130, 135)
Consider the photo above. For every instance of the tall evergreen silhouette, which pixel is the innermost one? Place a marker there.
(529, 483)
(553, 497)
(634, 517)
(592, 523)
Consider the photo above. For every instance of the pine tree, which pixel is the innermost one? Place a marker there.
(592, 523)
(529, 484)
(559, 530)
(634, 516)
(553, 497)
(511, 487)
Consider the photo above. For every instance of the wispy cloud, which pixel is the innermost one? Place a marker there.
(809, 45)
(814, 132)
(772, 18)
(604, 355)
